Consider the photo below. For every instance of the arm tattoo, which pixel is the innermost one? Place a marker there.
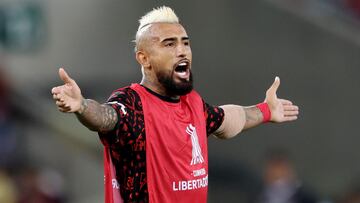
(253, 116)
(97, 117)
(84, 105)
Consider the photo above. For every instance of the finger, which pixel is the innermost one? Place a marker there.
(64, 109)
(64, 76)
(286, 102)
(274, 87)
(59, 100)
(55, 90)
(291, 113)
(291, 108)
(56, 96)
(61, 104)
(291, 118)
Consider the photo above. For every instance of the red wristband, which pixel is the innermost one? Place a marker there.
(265, 110)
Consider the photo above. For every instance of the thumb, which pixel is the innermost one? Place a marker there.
(274, 87)
(64, 76)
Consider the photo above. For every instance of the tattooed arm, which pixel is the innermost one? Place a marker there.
(238, 118)
(95, 116)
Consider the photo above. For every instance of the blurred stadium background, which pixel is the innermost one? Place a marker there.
(238, 49)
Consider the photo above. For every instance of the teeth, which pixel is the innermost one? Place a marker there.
(183, 64)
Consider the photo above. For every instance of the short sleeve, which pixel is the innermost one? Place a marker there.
(214, 117)
(125, 102)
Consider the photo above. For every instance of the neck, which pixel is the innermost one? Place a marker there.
(157, 87)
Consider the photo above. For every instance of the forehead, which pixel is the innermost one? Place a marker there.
(160, 31)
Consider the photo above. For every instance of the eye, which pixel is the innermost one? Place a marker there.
(186, 43)
(170, 44)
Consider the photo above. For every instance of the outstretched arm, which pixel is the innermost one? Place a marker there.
(238, 118)
(95, 116)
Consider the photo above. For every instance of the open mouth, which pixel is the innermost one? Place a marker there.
(182, 69)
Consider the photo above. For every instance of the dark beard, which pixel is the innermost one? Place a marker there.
(173, 88)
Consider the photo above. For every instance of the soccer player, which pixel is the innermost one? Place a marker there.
(155, 132)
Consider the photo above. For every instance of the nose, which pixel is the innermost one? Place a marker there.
(181, 51)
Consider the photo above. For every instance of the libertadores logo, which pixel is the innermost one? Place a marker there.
(200, 177)
(197, 157)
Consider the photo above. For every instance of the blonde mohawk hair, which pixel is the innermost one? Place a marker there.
(161, 14)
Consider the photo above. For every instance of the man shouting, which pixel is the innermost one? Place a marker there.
(155, 132)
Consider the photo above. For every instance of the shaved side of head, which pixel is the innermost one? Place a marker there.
(162, 14)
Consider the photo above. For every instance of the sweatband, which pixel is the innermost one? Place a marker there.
(265, 110)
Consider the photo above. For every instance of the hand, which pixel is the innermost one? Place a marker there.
(281, 110)
(68, 96)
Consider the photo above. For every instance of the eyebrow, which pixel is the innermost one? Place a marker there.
(174, 39)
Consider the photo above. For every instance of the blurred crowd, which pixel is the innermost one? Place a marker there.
(353, 6)
(31, 186)
(282, 184)
(19, 181)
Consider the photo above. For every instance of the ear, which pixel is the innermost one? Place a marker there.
(143, 59)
